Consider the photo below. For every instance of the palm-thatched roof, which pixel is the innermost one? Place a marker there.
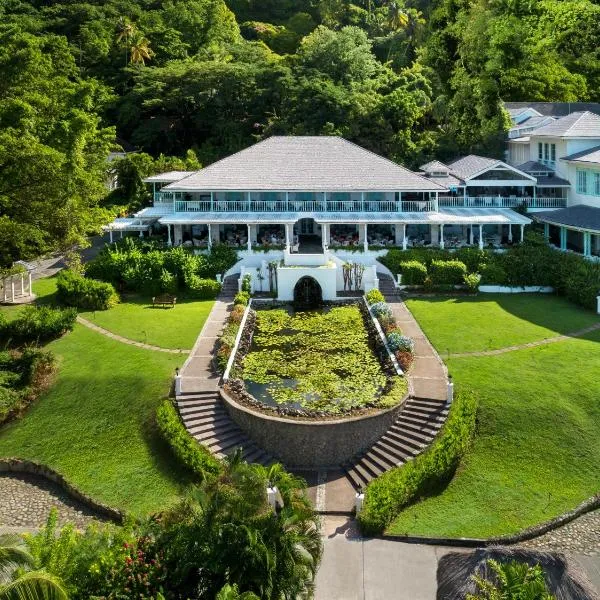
(564, 580)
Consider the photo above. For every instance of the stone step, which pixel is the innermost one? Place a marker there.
(201, 409)
(190, 405)
(419, 421)
(431, 405)
(421, 437)
(387, 454)
(211, 428)
(425, 415)
(214, 440)
(396, 430)
(392, 440)
(359, 476)
(201, 419)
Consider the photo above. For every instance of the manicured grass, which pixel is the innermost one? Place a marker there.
(491, 321)
(44, 289)
(536, 451)
(96, 424)
(136, 319)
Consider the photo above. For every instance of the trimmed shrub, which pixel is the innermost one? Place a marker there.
(237, 313)
(192, 455)
(398, 342)
(374, 296)
(38, 324)
(447, 272)
(242, 298)
(247, 283)
(75, 290)
(202, 289)
(413, 272)
(395, 257)
(387, 495)
(493, 274)
(381, 310)
(472, 281)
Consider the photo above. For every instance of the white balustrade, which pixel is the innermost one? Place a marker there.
(500, 202)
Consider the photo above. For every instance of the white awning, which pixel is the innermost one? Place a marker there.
(123, 224)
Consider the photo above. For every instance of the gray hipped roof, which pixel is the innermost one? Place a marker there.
(169, 176)
(532, 166)
(435, 166)
(468, 166)
(591, 155)
(305, 163)
(576, 125)
(553, 109)
(580, 216)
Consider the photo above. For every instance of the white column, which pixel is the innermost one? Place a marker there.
(442, 236)
(248, 198)
(365, 238)
(249, 237)
(287, 201)
(23, 281)
(471, 236)
(522, 233)
(12, 289)
(404, 239)
(121, 234)
(510, 238)
(481, 237)
(169, 241)
(547, 231)
(29, 285)
(362, 201)
(325, 236)
(110, 235)
(210, 233)
(141, 233)
(287, 237)
(212, 201)
(437, 202)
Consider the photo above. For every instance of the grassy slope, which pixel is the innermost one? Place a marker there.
(491, 321)
(136, 319)
(536, 452)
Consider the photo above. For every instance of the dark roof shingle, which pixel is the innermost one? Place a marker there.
(581, 216)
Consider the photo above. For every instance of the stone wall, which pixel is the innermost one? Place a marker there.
(310, 444)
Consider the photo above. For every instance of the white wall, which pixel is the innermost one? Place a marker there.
(287, 277)
(574, 196)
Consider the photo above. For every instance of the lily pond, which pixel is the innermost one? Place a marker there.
(317, 360)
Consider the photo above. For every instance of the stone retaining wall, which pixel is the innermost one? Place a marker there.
(17, 465)
(310, 444)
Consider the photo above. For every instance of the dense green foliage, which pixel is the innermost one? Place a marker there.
(426, 473)
(36, 325)
(223, 535)
(76, 290)
(23, 375)
(326, 354)
(187, 82)
(187, 450)
(413, 272)
(374, 296)
(447, 272)
(152, 268)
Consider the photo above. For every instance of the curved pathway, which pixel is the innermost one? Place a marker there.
(26, 501)
(124, 340)
(552, 340)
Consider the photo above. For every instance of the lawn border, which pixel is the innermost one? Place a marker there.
(20, 465)
(524, 535)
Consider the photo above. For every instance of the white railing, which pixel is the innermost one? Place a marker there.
(192, 206)
(164, 197)
(345, 206)
(500, 202)
(418, 206)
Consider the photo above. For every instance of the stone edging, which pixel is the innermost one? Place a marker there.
(124, 340)
(552, 340)
(18, 465)
(530, 533)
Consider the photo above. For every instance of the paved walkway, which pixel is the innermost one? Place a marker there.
(551, 340)
(124, 340)
(26, 501)
(428, 376)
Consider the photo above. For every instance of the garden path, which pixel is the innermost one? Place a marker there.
(124, 340)
(551, 340)
(26, 501)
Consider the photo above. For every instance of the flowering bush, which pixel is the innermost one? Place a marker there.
(405, 359)
(397, 342)
(472, 281)
(381, 309)
(374, 296)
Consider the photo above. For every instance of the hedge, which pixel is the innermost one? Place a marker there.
(202, 289)
(192, 455)
(387, 495)
(75, 290)
(413, 272)
(241, 298)
(37, 324)
(447, 272)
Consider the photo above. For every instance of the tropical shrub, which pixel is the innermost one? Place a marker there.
(241, 298)
(473, 258)
(471, 281)
(381, 310)
(75, 290)
(413, 272)
(398, 342)
(202, 289)
(247, 283)
(387, 495)
(37, 324)
(395, 257)
(374, 296)
(447, 272)
(192, 455)
(493, 273)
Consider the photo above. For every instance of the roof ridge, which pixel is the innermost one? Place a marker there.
(581, 115)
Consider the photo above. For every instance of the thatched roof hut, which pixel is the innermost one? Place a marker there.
(564, 580)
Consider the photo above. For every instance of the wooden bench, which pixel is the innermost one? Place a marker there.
(164, 300)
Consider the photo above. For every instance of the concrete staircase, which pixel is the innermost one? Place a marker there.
(414, 429)
(387, 287)
(207, 421)
(230, 287)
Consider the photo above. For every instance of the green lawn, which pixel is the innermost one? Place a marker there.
(136, 319)
(44, 289)
(536, 452)
(96, 424)
(491, 321)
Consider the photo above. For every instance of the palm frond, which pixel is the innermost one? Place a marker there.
(34, 585)
(13, 554)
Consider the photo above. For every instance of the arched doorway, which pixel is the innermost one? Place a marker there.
(308, 292)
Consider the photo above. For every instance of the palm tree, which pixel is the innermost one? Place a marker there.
(397, 17)
(125, 32)
(141, 51)
(17, 582)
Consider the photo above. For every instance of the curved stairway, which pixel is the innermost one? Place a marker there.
(387, 286)
(417, 424)
(207, 421)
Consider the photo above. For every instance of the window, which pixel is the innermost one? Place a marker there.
(582, 182)
(553, 152)
(546, 151)
(540, 151)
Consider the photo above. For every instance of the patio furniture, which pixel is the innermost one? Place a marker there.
(164, 300)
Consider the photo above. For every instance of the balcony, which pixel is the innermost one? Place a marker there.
(500, 202)
(301, 206)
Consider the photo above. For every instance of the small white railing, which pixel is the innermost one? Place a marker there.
(500, 202)
(238, 338)
(418, 206)
(192, 206)
(345, 206)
